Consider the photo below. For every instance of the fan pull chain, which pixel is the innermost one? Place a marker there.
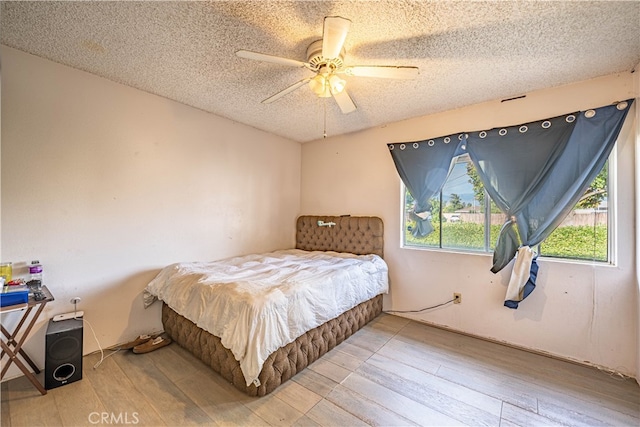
(324, 131)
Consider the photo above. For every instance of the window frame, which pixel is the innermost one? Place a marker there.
(612, 222)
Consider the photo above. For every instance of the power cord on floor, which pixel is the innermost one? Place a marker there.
(422, 309)
(102, 356)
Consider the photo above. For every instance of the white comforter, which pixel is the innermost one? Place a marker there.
(259, 303)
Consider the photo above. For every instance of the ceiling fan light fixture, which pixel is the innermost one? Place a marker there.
(336, 84)
(320, 86)
(324, 85)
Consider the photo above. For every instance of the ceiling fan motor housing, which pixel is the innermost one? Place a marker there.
(317, 61)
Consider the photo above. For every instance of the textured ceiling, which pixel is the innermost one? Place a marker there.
(467, 52)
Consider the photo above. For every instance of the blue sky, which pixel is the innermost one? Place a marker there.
(458, 183)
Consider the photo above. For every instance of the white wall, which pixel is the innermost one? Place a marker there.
(578, 311)
(105, 184)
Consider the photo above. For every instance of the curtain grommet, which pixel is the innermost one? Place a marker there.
(523, 129)
(622, 105)
(460, 137)
(447, 140)
(546, 124)
(416, 145)
(502, 132)
(391, 147)
(570, 118)
(402, 146)
(482, 134)
(431, 143)
(589, 113)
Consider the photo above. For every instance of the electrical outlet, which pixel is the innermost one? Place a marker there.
(457, 298)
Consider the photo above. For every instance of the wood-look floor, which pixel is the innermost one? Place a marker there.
(393, 372)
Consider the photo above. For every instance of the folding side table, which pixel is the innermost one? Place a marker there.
(11, 343)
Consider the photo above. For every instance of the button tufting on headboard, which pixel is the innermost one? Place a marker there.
(360, 235)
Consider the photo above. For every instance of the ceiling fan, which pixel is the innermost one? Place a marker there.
(325, 58)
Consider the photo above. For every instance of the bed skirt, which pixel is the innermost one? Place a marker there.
(283, 363)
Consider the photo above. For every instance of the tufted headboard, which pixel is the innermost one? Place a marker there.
(360, 235)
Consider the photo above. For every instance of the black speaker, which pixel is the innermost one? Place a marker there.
(63, 358)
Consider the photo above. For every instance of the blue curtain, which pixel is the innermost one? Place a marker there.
(512, 163)
(424, 167)
(534, 172)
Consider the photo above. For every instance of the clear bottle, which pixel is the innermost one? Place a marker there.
(35, 274)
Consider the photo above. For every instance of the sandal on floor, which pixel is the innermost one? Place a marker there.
(151, 345)
(140, 340)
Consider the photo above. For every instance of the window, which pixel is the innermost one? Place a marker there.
(584, 233)
(466, 219)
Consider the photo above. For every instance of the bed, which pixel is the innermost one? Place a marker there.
(352, 240)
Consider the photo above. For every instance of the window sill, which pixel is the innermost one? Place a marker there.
(490, 255)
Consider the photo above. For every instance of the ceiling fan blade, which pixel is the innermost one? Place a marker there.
(333, 36)
(270, 58)
(385, 72)
(344, 101)
(286, 91)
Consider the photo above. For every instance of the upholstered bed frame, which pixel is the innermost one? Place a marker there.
(359, 235)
